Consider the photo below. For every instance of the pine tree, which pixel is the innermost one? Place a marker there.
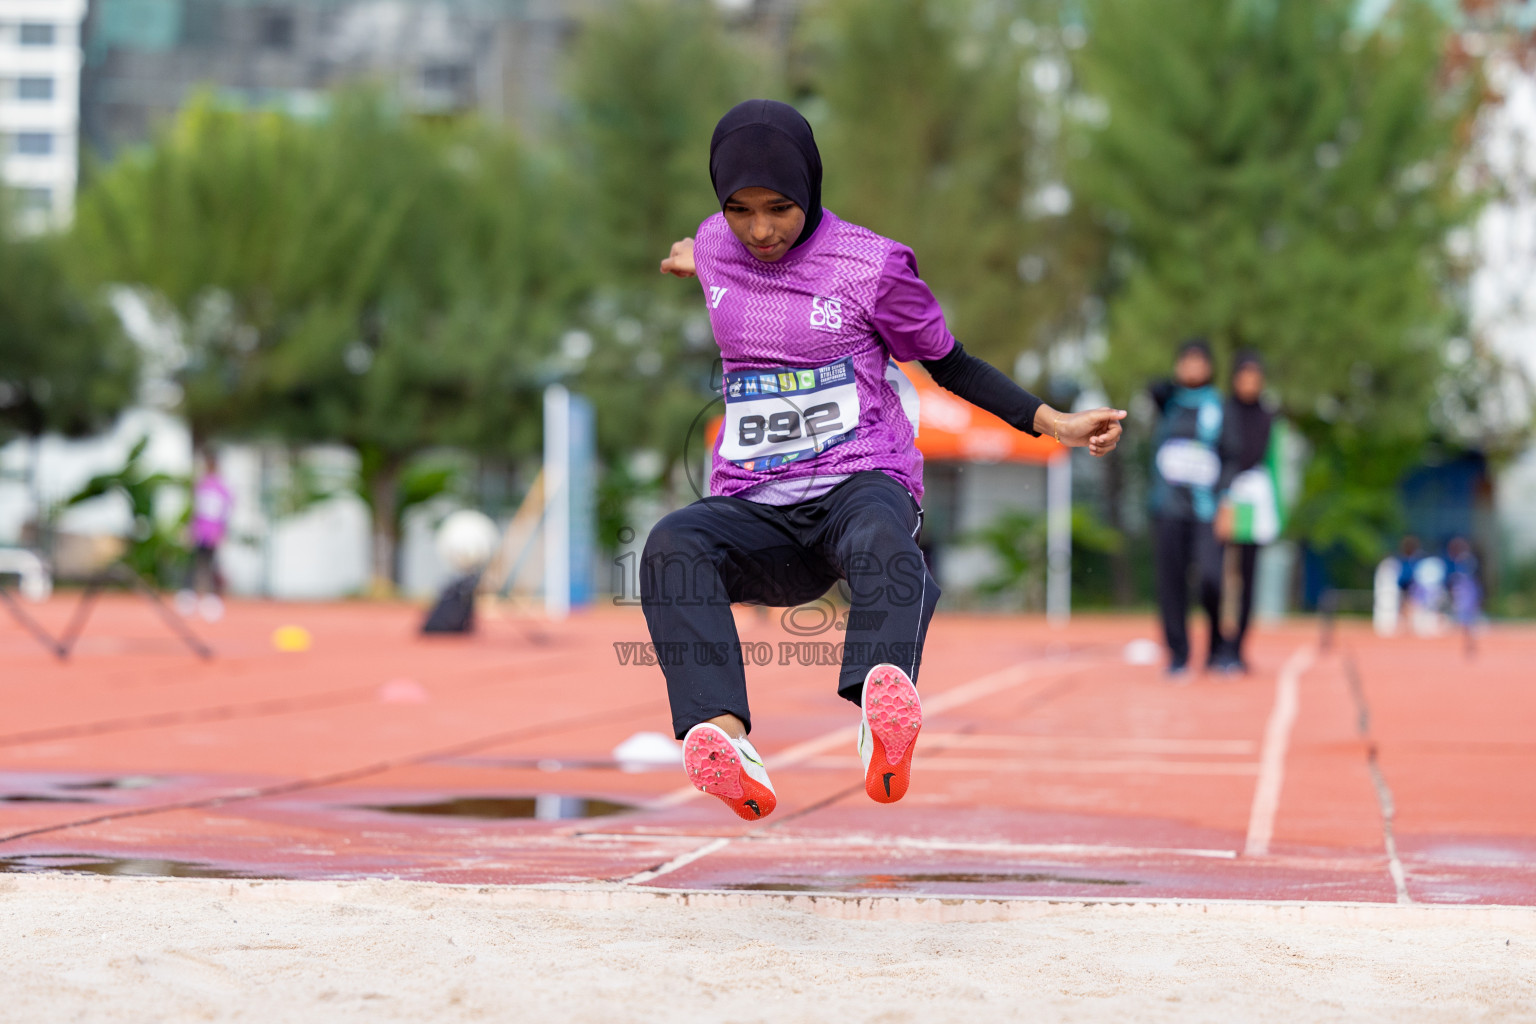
(1277, 177)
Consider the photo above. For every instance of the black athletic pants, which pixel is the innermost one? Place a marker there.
(1182, 543)
(700, 559)
(1247, 562)
(204, 571)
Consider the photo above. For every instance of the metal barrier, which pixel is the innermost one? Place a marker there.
(119, 573)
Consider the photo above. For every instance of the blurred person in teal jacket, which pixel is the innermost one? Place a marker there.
(1186, 479)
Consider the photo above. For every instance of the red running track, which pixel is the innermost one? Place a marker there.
(1380, 770)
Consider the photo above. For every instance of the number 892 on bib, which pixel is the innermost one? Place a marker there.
(777, 416)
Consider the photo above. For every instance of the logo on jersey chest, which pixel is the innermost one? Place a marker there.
(826, 314)
(716, 293)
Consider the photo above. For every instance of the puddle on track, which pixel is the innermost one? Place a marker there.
(124, 782)
(48, 792)
(90, 863)
(544, 807)
(862, 883)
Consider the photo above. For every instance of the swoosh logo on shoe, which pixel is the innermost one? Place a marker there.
(759, 811)
(888, 777)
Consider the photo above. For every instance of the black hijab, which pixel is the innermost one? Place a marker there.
(1248, 422)
(767, 144)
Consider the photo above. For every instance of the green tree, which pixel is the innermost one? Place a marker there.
(1276, 177)
(934, 132)
(648, 81)
(367, 278)
(153, 546)
(65, 364)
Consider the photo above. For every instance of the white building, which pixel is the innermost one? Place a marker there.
(40, 105)
(1503, 288)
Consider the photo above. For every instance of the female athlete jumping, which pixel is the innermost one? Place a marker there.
(816, 475)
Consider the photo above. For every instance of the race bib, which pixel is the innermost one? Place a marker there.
(1188, 463)
(773, 417)
(1256, 514)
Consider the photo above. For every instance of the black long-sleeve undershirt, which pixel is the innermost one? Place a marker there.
(986, 387)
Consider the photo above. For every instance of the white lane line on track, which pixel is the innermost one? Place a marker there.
(965, 693)
(1033, 766)
(682, 860)
(1277, 739)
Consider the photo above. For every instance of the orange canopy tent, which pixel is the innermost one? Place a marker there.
(952, 429)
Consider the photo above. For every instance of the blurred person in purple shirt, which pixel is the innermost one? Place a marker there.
(816, 477)
(212, 504)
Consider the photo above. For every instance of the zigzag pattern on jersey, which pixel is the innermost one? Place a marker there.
(855, 258)
(753, 328)
(755, 331)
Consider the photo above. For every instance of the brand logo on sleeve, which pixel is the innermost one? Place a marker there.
(716, 293)
(826, 314)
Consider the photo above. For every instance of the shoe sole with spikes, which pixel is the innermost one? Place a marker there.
(724, 768)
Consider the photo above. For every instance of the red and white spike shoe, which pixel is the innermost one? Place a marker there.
(729, 769)
(893, 716)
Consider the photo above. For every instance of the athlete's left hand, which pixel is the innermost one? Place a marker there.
(1098, 430)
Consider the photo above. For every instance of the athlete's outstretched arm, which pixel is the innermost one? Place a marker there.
(1098, 430)
(909, 320)
(679, 262)
(985, 386)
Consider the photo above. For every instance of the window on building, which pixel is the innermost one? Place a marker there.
(33, 143)
(277, 30)
(34, 88)
(35, 198)
(33, 34)
(448, 77)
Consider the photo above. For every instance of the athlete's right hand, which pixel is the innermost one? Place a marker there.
(679, 263)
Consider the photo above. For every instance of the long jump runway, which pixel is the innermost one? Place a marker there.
(1376, 771)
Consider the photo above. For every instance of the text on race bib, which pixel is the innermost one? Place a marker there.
(777, 416)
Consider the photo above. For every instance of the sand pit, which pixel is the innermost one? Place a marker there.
(136, 949)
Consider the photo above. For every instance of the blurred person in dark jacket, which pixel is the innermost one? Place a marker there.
(1246, 427)
(1186, 475)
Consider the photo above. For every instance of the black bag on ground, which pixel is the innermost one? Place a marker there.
(454, 611)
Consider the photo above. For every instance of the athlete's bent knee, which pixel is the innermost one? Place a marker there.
(675, 565)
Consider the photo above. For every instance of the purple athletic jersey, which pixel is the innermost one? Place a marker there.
(807, 344)
(211, 506)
